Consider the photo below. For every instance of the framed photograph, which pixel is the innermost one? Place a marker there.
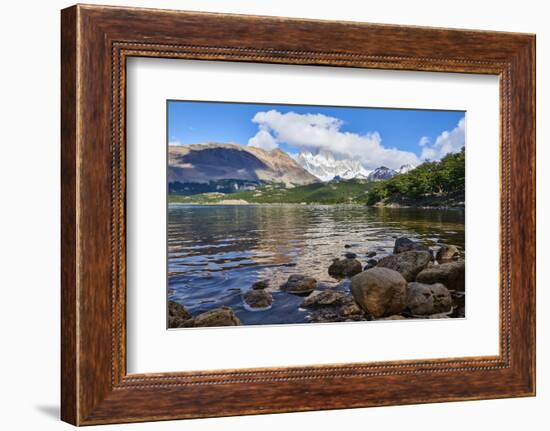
(264, 215)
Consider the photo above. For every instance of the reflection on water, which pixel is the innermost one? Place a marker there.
(217, 252)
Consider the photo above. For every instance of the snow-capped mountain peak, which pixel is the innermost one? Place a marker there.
(382, 173)
(326, 167)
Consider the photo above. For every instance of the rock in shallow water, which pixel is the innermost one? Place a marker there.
(447, 253)
(344, 268)
(223, 316)
(449, 274)
(408, 263)
(262, 284)
(177, 314)
(350, 255)
(323, 298)
(426, 299)
(299, 284)
(405, 244)
(380, 291)
(258, 299)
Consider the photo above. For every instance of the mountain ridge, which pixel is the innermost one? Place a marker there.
(206, 162)
(326, 167)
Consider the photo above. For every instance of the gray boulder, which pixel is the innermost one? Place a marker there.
(426, 299)
(405, 244)
(258, 299)
(223, 316)
(344, 268)
(451, 274)
(408, 263)
(299, 284)
(380, 291)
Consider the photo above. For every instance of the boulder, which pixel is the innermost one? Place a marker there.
(258, 299)
(350, 255)
(177, 315)
(299, 284)
(447, 253)
(262, 284)
(371, 254)
(405, 244)
(323, 298)
(380, 291)
(450, 274)
(344, 268)
(223, 316)
(408, 263)
(426, 299)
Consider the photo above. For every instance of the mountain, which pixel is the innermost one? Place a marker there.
(405, 168)
(212, 162)
(326, 167)
(382, 173)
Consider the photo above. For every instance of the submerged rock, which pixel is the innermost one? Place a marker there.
(323, 298)
(258, 299)
(177, 314)
(450, 274)
(408, 263)
(223, 316)
(425, 299)
(299, 284)
(344, 268)
(447, 253)
(262, 284)
(380, 291)
(371, 254)
(405, 244)
(350, 255)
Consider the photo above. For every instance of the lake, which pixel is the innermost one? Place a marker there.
(216, 252)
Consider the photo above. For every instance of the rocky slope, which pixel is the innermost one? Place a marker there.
(203, 163)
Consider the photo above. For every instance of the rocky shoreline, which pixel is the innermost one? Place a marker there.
(415, 282)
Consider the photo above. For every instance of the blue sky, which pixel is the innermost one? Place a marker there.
(373, 135)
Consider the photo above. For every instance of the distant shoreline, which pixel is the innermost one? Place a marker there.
(235, 202)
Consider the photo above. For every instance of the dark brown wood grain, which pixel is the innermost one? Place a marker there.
(96, 41)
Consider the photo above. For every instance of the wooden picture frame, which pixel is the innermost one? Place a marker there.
(95, 43)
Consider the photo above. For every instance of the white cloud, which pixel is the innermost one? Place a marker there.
(263, 139)
(447, 142)
(424, 140)
(176, 142)
(315, 132)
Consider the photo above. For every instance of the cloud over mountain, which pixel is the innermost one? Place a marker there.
(449, 141)
(316, 132)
